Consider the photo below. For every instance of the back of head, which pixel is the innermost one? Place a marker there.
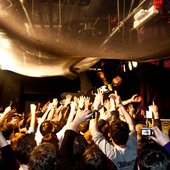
(44, 157)
(51, 138)
(84, 126)
(7, 130)
(46, 127)
(94, 159)
(119, 132)
(79, 146)
(153, 157)
(24, 146)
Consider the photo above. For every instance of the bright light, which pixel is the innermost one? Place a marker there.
(144, 16)
(5, 43)
(5, 59)
(130, 65)
(134, 64)
(124, 68)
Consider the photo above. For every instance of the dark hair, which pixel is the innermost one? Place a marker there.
(46, 127)
(153, 157)
(28, 121)
(79, 146)
(7, 130)
(44, 157)
(24, 146)
(51, 138)
(58, 125)
(94, 159)
(84, 126)
(119, 132)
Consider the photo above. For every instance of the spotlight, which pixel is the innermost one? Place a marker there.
(130, 65)
(134, 64)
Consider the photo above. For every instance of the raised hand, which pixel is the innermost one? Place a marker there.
(155, 111)
(160, 137)
(105, 115)
(55, 102)
(107, 104)
(98, 100)
(117, 99)
(33, 108)
(7, 109)
(67, 100)
(87, 103)
(136, 98)
(81, 102)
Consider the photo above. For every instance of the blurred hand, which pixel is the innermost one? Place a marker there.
(32, 108)
(160, 137)
(7, 109)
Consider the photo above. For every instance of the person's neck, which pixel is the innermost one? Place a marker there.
(119, 146)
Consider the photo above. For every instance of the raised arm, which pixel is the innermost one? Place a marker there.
(5, 114)
(122, 109)
(134, 98)
(33, 118)
(52, 111)
(94, 122)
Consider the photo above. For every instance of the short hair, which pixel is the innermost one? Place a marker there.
(119, 132)
(7, 130)
(44, 157)
(153, 157)
(84, 126)
(79, 146)
(51, 138)
(58, 125)
(24, 147)
(46, 127)
(94, 159)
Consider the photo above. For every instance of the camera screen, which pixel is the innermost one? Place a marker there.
(146, 131)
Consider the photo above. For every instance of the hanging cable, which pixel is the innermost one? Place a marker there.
(27, 16)
(131, 6)
(123, 27)
(71, 14)
(60, 19)
(118, 11)
(114, 30)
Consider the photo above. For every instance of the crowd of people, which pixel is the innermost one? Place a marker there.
(78, 133)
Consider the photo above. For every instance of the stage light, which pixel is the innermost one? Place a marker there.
(134, 64)
(130, 65)
(144, 15)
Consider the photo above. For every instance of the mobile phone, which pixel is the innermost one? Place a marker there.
(146, 131)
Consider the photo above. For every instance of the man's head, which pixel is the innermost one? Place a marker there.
(94, 159)
(24, 146)
(46, 127)
(119, 132)
(44, 157)
(117, 80)
(153, 157)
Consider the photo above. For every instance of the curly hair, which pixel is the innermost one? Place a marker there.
(44, 157)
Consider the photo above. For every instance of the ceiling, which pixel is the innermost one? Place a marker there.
(65, 37)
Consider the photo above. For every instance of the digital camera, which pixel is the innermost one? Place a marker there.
(146, 131)
(104, 89)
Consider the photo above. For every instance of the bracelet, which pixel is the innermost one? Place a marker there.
(95, 111)
(94, 114)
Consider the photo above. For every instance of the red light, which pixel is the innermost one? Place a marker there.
(157, 3)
